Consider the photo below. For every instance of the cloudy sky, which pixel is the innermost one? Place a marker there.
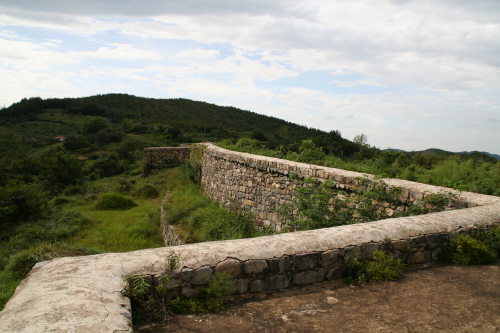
(409, 74)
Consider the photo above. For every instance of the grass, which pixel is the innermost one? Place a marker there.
(201, 219)
(120, 231)
(75, 227)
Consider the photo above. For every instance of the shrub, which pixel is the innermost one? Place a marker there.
(147, 191)
(61, 201)
(489, 236)
(213, 298)
(21, 263)
(355, 270)
(21, 202)
(384, 267)
(114, 201)
(466, 250)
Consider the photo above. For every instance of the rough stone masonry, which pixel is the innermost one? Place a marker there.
(83, 294)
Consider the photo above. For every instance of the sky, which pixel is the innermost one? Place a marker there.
(408, 74)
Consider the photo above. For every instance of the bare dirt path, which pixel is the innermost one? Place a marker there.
(431, 299)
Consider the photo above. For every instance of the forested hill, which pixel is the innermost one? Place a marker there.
(192, 120)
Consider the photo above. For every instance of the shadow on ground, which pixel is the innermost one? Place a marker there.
(428, 299)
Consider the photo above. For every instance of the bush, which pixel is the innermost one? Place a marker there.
(21, 202)
(466, 250)
(21, 263)
(114, 201)
(213, 297)
(383, 267)
(147, 191)
(489, 236)
(56, 228)
(61, 201)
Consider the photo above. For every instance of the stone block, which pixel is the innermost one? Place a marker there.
(351, 251)
(372, 247)
(302, 262)
(256, 266)
(259, 286)
(230, 266)
(419, 257)
(308, 277)
(334, 273)
(190, 292)
(174, 280)
(280, 265)
(418, 241)
(240, 286)
(280, 281)
(399, 245)
(435, 240)
(197, 276)
(436, 253)
(330, 257)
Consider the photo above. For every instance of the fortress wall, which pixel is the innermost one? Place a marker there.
(83, 294)
(259, 184)
(153, 159)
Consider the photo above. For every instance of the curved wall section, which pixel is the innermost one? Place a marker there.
(83, 294)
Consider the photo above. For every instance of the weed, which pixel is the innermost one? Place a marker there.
(467, 250)
(383, 267)
(147, 191)
(355, 270)
(114, 201)
(22, 262)
(172, 261)
(212, 299)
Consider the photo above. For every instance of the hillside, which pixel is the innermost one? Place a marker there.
(183, 119)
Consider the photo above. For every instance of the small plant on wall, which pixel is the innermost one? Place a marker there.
(481, 246)
(191, 169)
(319, 204)
(383, 267)
(152, 301)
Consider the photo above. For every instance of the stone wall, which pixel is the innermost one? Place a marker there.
(170, 236)
(83, 294)
(259, 184)
(154, 159)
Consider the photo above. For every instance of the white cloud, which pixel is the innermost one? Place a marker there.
(436, 64)
(120, 52)
(199, 54)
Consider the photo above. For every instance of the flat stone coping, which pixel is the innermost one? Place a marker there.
(320, 172)
(83, 294)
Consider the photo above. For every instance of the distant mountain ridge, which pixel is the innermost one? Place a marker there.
(444, 152)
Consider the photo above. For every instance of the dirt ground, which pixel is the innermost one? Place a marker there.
(428, 299)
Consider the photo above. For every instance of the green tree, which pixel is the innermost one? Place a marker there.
(21, 202)
(60, 169)
(308, 152)
(95, 125)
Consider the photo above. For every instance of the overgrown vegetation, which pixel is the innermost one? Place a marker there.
(114, 201)
(475, 172)
(49, 188)
(152, 300)
(383, 267)
(481, 246)
(200, 219)
(321, 205)
(71, 225)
